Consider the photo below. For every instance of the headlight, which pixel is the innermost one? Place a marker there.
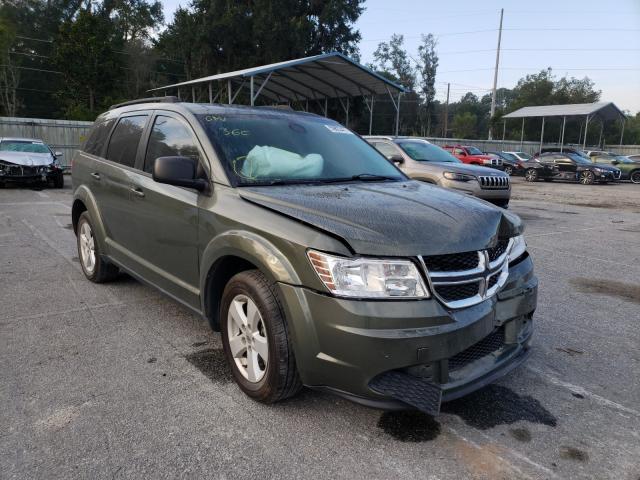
(368, 278)
(459, 177)
(518, 247)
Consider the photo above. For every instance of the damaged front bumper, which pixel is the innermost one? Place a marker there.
(391, 354)
(10, 172)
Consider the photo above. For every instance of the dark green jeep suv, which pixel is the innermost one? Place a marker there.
(319, 261)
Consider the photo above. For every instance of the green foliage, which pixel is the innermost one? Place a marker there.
(393, 60)
(464, 125)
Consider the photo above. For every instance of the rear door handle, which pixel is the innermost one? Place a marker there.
(96, 175)
(137, 191)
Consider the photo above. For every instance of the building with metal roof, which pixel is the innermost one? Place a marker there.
(311, 79)
(603, 111)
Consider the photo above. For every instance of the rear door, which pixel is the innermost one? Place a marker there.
(115, 177)
(164, 218)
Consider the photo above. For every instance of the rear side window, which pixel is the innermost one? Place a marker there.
(98, 137)
(386, 149)
(169, 137)
(125, 139)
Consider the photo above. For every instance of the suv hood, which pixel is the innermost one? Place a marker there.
(27, 159)
(392, 219)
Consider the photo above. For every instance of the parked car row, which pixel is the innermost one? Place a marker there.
(429, 163)
(29, 160)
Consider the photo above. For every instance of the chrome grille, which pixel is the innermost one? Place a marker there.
(494, 183)
(460, 280)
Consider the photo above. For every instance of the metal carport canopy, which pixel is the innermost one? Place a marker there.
(601, 110)
(317, 78)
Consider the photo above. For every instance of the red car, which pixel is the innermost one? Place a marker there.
(474, 156)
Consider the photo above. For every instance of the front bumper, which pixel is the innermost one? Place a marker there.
(343, 345)
(19, 173)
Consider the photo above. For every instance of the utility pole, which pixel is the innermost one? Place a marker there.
(495, 74)
(446, 112)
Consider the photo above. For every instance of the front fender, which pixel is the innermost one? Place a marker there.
(252, 248)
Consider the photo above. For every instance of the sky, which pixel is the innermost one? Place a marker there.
(576, 38)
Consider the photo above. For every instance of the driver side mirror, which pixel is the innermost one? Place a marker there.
(178, 171)
(58, 154)
(397, 159)
(615, 162)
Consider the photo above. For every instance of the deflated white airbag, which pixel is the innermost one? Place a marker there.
(272, 162)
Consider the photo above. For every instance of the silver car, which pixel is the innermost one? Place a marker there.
(29, 160)
(422, 160)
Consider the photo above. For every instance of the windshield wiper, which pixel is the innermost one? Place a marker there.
(371, 177)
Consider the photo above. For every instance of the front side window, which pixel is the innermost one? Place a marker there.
(26, 146)
(125, 140)
(274, 148)
(169, 138)
(98, 137)
(427, 152)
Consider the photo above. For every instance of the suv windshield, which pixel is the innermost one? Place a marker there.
(274, 148)
(474, 150)
(526, 156)
(426, 152)
(23, 146)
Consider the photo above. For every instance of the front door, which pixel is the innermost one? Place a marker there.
(165, 217)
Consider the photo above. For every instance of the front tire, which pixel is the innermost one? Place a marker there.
(95, 268)
(587, 177)
(508, 170)
(635, 177)
(256, 339)
(58, 180)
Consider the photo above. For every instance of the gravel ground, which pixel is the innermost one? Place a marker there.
(116, 381)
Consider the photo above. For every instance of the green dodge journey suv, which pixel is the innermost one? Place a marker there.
(319, 261)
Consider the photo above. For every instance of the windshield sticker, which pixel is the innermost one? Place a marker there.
(337, 129)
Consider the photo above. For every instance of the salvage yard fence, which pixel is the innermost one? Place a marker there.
(68, 135)
(64, 136)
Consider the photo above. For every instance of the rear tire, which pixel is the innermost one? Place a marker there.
(531, 175)
(635, 177)
(95, 268)
(253, 327)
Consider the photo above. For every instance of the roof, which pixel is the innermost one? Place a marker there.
(604, 110)
(330, 75)
(21, 139)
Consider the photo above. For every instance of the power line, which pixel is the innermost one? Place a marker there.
(456, 52)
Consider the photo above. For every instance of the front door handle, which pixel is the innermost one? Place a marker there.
(96, 175)
(137, 191)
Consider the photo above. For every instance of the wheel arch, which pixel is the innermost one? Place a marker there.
(83, 200)
(231, 253)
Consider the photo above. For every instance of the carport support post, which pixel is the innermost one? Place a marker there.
(622, 132)
(326, 105)
(564, 121)
(370, 105)
(586, 127)
(251, 89)
(347, 112)
(504, 131)
(229, 90)
(398, 114)
(193, 94)
(600, 137)
(522, 134)
(210, 92)
(541, 135)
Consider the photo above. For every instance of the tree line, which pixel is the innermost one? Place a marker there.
(73, 58)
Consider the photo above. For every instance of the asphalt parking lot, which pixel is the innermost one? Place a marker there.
(116, 381)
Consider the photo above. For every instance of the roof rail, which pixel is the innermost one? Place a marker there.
(169, 99)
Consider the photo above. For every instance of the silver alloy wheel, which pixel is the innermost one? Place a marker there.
(635, 177)
(247, 338)
(87, 248)
(586, 177)
(531, 175)
(508, 170)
